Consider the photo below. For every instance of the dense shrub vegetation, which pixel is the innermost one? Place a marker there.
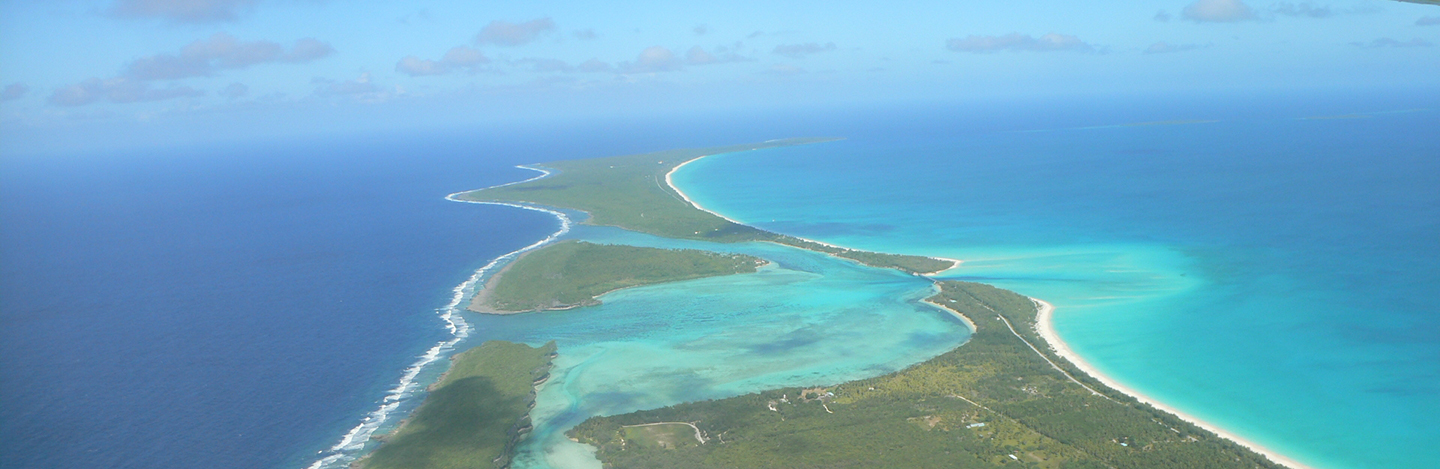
(474, 416)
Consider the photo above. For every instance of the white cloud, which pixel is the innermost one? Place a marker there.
(198, 59)
(504, 33)
(1162, 16)
(1304, 10)
(1308, 10)
(653, 59)
(222, 51)
(1218, 11)
(592, 66)
(699, 56)
(457, 58)
(14, 91)
(1019, 42)
(418, 67)
(183, 11)
(117, 90)
(1163, 47)
(1386, 42)
(361, 89)
(700, 29)
(800, 51)
(1428, 21)
(586, 34)
(542, 65)
(234, 90)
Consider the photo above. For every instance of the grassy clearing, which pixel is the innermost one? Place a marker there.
(661, 436)
(474, 415)
(570, 274)
(991, 402)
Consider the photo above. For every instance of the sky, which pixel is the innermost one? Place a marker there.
(81, 75)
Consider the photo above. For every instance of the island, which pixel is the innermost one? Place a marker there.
(571, 274)
(1010, 395)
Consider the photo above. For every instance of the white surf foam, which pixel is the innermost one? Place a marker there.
(352, 445)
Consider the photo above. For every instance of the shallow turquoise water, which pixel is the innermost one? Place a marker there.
(1273, 277)
(798, 321)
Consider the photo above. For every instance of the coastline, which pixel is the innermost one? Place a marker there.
(670, 182)
(966, 320)
(1046, 331)
(352, 445)
(1045, 313)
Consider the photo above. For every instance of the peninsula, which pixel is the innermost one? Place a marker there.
(1004, 397)
(571, 274)
(475, 414)
(634, 192)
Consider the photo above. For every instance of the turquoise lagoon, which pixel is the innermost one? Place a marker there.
(1274, 277)
(804, 319)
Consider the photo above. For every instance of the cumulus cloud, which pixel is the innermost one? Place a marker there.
(699, 56)
(234, 90)
(504, 33)
(360, 87)
(1018, 42)
(14, 91)
(198, 59)
(418, 67)
(800, 51)
(457, 58)
(1163, 47)
(586, 34)
(1162, 16)
(183, 11)
(222, 51)
(1218, 11)
(540, 65)
(1428, 21)
(1386, 42)
(117, 90)
(653, 59)
(1302, 10)
(700, 29)
(593, 66)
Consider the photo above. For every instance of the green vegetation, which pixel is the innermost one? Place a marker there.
(994, 401)
(630, 192)
(474, 416)
(906, 263)
(570, 274)
(990, 402)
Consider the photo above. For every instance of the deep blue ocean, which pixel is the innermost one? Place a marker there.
(245, 305)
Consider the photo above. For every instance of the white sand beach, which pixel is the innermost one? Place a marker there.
(1046, 330)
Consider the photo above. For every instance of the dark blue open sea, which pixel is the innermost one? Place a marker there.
(249, 305)
(237, 306)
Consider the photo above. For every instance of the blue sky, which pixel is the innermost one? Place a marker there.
(255, 68)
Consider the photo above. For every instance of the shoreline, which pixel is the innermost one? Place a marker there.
(966, 320)
(353, 443)
(670, 182)
(1043, 316)
(1043, 326)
